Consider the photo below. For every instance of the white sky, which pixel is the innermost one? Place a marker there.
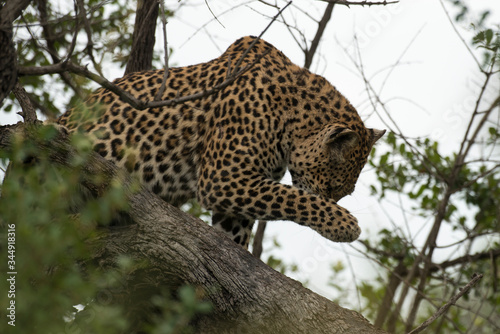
(430, 91)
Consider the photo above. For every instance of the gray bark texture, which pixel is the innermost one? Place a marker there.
(143, 40)
(247, 295)
(8, 57)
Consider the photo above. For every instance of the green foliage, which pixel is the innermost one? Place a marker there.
(464, 14)
(51, 250)
(195, 209)
(405, 170)
(465, 187)
(50, 245)
(278, 264)
(176, 315)
(489, 41)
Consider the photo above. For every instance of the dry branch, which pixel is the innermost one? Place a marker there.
(311, 51)
(360, 3)
(180, 249)
(445, 307)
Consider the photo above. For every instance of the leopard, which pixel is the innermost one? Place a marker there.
(228, 148)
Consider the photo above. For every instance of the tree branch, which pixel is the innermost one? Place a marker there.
(50, 40)
(319, 33)
(443, 309)
(126, 96)
(360, 3)
(143, 39)
(166, 68)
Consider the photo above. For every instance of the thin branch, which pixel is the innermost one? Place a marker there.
(160, 92)
(376, 100)
(466, 259)
(238, 64)
(471, 141)
(133, 101)
(360, 3)
(398, 61)
(445, 307)
(203, 26)
(474, 180)
(72, 46)
(460, 36)
(50, 45)
(211, 12)
(126, 96)
(309, 53)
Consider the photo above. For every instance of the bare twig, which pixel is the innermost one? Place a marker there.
(139, 104)
(126, 96)
(238, 63)
(165, 50)
(204, 26)
(360, 3)
(211, 12)
(460, 36)
(445, 307)
(47, 29)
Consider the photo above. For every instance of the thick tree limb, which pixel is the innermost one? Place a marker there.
(143, 40)
(124, 95)
(8, 57)
(247, 295)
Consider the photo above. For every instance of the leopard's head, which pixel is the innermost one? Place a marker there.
(328, 163)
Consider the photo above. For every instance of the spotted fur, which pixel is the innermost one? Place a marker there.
(230, 149)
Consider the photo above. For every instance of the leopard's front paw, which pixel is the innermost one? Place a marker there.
(344, 228)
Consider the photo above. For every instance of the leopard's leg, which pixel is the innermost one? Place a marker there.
(265, 199)
(246, 191)
(238, 228)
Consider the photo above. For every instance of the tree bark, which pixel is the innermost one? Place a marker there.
(247, 295)
(143, 39)
(8, 56)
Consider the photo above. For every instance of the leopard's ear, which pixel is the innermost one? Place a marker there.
(340, 141)
(376, 134)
